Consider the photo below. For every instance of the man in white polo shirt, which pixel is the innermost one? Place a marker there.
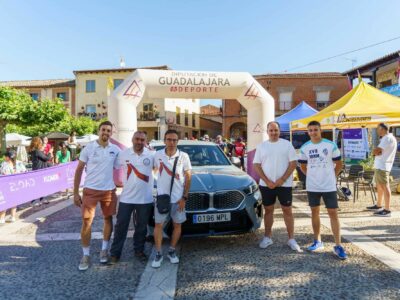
(385, 154)
(136, 199)
(100, 157)
(275, 161)
(164, 161)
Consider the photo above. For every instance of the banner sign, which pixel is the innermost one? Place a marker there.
(354, 141)
(21, 188)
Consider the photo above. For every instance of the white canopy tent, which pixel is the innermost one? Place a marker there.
(86, 139)
(16, 139)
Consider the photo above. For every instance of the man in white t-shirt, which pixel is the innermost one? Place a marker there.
(164, 160)
(99, 157)
(275, 161)
(136, 199)
(320, 161)
(385, 154)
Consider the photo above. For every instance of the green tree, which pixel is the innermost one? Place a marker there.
(16, 107)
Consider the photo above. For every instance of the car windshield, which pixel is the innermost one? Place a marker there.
(203, 155)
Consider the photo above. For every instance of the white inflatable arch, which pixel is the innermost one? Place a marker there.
(148, 84)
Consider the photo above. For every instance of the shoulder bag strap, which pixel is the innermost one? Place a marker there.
(173, 174)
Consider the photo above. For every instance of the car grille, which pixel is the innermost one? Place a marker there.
(228, 200)
(198, 201)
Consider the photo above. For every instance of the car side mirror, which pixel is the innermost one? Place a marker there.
(236, 161)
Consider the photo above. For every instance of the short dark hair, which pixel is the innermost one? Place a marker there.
(384, 126)
(314, 123)
(170, 131)
(105, 123)
(274, 122)
(140, 132)
(10, 154)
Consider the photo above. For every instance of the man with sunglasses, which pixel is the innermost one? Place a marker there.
(164, 161)
(320, 161)
(136, 199)
(98, 158)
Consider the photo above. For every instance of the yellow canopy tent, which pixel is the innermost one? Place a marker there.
(363, 106)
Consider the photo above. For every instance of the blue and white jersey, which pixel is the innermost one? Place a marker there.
(320, 160)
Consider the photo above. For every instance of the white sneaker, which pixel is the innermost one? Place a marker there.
(294, 246)
(265, 242)
(11, 219)
(172, 257)
(156, 263)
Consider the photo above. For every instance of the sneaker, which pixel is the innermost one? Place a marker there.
(113, 260)
(382, 213)
(2, 221)
(265, 242)
(46, 201)
(316, 246)
(85, 263)
(103, 256)
(374, 207)
(141, 256)
(294, 246)
(36, 203)
(172, 256)
(156, 263)
(11, 219)
(339, 252)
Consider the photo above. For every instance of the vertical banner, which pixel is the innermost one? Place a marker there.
(21, 188)
(354, 143)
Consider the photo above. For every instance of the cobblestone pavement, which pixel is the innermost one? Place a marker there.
(233, 267)
(49, 270)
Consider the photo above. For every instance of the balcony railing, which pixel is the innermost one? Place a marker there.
(148, 115)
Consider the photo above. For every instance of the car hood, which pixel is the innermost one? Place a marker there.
(212, 179)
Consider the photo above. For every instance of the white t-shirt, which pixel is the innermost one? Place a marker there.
(138, 176)
(320, 159)
(274, 158)
(100, 162)
(388, 145)
(165, 165)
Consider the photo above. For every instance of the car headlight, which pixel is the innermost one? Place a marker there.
(251, 189)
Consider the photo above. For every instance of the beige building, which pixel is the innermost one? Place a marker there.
(63, 89)
(154, 116)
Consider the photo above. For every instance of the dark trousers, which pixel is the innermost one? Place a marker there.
(140, 215)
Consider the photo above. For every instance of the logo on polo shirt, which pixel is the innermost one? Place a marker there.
(146, 162)
(325, 151)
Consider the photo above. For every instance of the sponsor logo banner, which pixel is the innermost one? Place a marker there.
(21, 188)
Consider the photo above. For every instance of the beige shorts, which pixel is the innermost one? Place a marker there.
(381, 176)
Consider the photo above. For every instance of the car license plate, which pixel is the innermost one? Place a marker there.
(211, 218)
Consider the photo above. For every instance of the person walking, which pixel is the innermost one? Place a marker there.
(275, 161)
(136, 199)
(385, 154)
(72, 144)
(10, 166)
(167, 161)
(320, 161)
(99, 158)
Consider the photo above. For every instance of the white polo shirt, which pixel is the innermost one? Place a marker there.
(165, 165)
(138, 176)
(274, 158)
(100, 162)
(388, 144)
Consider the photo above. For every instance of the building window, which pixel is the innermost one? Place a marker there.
(148, 107)
(194, 120)
(148, 113)
(117, 82)
(90, 108)
(186, 117)
(90, 86)
(322, 99)
(285, 100)
(178, 115)
(62, 96)
(34, 96)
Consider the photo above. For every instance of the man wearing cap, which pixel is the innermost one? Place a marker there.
(384, 157)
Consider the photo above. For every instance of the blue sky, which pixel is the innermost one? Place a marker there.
(50, 39)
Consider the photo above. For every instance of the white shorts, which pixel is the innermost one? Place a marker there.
(177, 216)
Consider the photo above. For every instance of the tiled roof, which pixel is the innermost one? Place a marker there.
(388, 58)
(299, 75)
(165, 67)
(39, 83)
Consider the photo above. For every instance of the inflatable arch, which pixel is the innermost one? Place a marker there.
(147, 84)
